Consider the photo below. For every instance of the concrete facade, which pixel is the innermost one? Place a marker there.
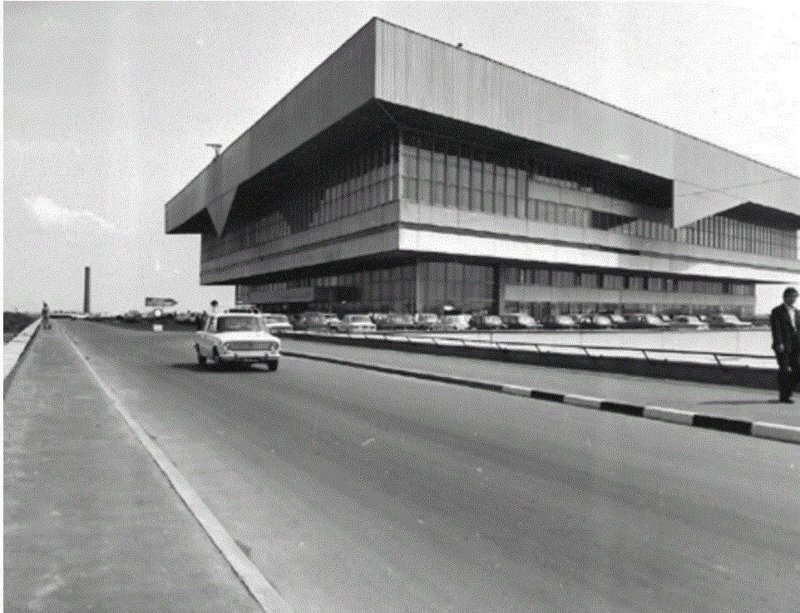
(433, 154)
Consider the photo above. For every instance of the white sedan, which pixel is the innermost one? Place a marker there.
(237, 338)
(354, 323)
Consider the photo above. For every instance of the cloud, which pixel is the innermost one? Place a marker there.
(51, 215)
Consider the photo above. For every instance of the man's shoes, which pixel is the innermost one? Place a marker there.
(786, 400)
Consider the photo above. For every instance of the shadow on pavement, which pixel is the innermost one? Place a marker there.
(213, 369)
(738, 402)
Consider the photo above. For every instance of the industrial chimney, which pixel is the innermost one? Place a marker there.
(87, 290)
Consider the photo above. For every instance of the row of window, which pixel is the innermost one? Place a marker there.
(554, 277)
(359, 182)
(441, 177)
(444, 173)
(445, 161)
(431, 286)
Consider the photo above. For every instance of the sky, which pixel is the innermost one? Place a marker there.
(107, 107)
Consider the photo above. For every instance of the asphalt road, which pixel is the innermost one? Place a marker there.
(354, 490)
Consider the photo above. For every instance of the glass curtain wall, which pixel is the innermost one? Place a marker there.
(466, 287)
(444, 172)
(359, 181)
(547, 276)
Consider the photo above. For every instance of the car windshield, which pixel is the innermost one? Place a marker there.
(282, 319)
(239, 324)
(729, 318)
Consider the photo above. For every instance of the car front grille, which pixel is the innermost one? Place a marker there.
(252, 346)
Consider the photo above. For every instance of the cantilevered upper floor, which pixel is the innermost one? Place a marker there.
(385, 73)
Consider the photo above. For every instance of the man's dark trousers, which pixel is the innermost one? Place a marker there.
(787, 337)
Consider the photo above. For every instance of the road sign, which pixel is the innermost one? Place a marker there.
(160, 302)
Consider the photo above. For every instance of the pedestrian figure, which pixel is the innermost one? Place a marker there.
(785, 323)
(45, 316)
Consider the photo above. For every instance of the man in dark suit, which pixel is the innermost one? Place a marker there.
(785, 323)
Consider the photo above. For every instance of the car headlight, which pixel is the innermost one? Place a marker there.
(274, 346)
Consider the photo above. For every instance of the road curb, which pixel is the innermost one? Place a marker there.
(13, 351)
(776, 432)
(265, 594)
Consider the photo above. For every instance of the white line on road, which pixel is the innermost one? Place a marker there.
(262, 590)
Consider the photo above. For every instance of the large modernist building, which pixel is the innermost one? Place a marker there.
(407, 174)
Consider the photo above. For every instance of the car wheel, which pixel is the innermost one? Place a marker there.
(272, 365)
(216, 359)
(201, 359)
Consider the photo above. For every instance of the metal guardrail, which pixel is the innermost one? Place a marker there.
(722, 359)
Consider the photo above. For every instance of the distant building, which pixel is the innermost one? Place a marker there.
(407, 174)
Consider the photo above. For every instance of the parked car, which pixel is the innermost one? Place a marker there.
(729, 321)
(487, 322)
(647, 321)
(396, 321)
(595, 322)
(689, 322)
(520, 321)
(617, 320)
(331, 320)
(183, 317)
(301, 321)
(131, 316)
(355, 322)
(276, 323)
(243, 308)
(312, 320)
(426, 321)
(229, 338)
(560, 322)
(453, 323)
(378, 318)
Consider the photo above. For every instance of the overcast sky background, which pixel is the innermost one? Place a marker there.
(107, 107)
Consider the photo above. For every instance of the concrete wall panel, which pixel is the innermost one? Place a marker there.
(431, 241)
(419, 72)
(337, 87)
(709, 180)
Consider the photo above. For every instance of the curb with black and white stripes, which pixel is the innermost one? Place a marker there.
(760, 429)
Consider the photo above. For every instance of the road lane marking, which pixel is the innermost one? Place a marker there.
(259, 587)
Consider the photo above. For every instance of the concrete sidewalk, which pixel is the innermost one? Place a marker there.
(91, 524)
(719, 400)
